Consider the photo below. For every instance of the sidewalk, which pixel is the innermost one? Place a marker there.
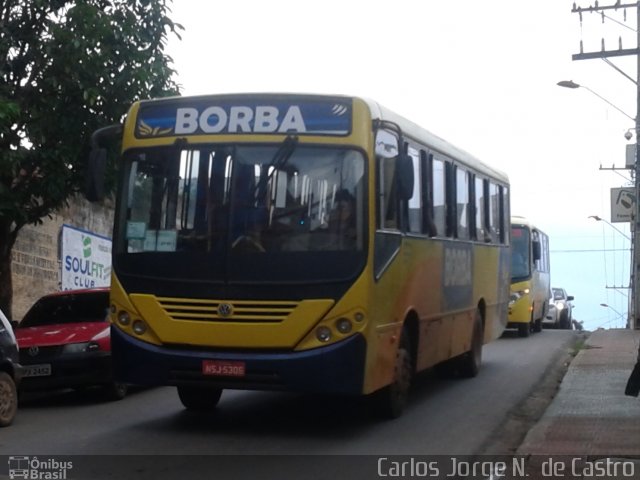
(590, 415)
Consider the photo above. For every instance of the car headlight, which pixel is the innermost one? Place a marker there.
(559, 305)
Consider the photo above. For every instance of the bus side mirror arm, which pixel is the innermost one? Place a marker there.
(97, 163)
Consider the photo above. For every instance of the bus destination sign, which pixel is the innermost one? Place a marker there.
(259, 115)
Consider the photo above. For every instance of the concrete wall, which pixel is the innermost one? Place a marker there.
(36, 263)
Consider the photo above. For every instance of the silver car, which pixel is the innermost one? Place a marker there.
(560, 310)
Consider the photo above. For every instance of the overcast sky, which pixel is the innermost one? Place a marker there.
(482, 75)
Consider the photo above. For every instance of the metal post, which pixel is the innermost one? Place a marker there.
(634, 320)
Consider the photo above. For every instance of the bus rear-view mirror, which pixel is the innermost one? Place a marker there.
(386, 144)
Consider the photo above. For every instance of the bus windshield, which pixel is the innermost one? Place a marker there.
(520, 264)
(251, 203)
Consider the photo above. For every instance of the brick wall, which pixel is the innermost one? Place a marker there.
(36, 259)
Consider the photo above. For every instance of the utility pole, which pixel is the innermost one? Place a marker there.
(634, 313)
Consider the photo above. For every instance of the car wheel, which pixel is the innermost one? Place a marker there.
(8, 399)
(116, 391)
(199, 398)
(564, 321)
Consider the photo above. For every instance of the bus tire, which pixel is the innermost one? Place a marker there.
(470, 361)
(8, 399)
(393, 398)
(524, 329)
(537, 325)
(115, 391)
(199, 398)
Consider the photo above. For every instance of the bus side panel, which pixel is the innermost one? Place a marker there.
(540, 291)
(491, 281)
(411, 282)
(439, 283)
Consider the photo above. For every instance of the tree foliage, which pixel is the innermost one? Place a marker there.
(68, 68)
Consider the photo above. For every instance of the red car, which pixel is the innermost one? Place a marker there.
(65, 342)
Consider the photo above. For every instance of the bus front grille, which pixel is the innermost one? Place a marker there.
(223, 311)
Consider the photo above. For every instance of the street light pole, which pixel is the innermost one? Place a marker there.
(599, 219)
(572, 84)
(619, 315)
(635, 294)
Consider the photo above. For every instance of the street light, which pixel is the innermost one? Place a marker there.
(620, 315)
(598, 219)
(573, 85)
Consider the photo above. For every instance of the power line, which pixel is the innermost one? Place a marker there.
(591, 250)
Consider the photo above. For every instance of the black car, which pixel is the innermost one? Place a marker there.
(10, 373)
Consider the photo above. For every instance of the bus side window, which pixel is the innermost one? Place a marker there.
(494, 213)
(462, 203)
(388, 194)
(438, 182)
(505, 212)
(415, 202)
(501, 225)
(428, 224)
(479, 213)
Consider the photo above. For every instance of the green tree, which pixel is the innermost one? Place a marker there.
(68, 68)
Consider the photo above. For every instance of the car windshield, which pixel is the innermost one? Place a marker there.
(558, 294)
(71, 308)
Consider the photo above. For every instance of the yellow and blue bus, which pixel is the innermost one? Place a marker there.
(530, 277)
(302, 243)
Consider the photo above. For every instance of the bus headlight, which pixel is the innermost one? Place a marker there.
(343, 325)
(515, 296)
(139, 327)
(323, 334)
(123, 318)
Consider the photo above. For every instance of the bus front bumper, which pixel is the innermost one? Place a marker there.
(335, 369)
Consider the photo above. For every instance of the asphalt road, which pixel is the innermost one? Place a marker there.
(449, 417)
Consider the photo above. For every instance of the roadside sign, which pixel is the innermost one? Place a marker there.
(86, 259)
(623, 201)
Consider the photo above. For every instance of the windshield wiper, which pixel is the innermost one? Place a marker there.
(279, 160)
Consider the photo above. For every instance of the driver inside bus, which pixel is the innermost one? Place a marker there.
(342, 220)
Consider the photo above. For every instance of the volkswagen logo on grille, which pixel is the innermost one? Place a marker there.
(33, 351)
(225, 309)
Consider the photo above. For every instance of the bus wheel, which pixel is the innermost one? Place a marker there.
(524, 329)
(537, 325)
(469, 365)
(115, 391)
(199, 398)
(393, 398)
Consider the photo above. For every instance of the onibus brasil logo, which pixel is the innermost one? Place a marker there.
(32, 468)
